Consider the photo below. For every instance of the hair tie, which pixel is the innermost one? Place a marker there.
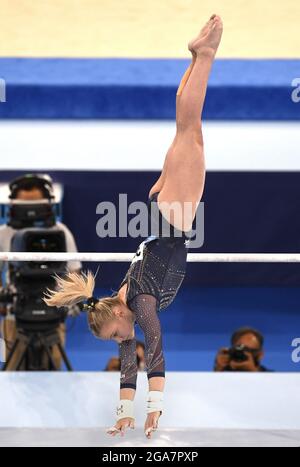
(90, 304)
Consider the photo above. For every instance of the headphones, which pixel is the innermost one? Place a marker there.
(26, 182)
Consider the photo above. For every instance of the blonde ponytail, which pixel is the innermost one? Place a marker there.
(75, 288)
(71, 289)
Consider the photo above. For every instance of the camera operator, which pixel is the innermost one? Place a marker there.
(30, 188)
(246, 352)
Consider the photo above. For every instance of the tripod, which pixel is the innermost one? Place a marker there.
(35, 344)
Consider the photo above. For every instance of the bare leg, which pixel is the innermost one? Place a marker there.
(184, 176)
(157, 187)
(191, 92)
(182, 111)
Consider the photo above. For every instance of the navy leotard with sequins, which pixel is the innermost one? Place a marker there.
(153, 280)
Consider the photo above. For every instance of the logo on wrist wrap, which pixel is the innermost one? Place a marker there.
(120, 410)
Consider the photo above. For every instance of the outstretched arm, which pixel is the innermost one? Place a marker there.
(125, 412)
(145, 309)
(128, 358)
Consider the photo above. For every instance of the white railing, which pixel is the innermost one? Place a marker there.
(127, 257)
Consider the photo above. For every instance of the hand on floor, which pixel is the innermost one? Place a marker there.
(151, 423)
(121, 426)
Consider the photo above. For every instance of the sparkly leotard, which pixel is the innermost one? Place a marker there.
(153, 280)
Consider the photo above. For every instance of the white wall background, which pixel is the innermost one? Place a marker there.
(136, 145)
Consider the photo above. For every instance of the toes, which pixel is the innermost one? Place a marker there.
(217, 22)
(215, 18)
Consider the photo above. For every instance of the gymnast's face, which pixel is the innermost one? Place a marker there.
(121, 328)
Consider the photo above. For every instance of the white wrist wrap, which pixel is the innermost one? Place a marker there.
(125, 409)
(155, 401)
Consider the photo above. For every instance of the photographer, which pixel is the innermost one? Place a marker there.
(30, 188)
(114, 363)
(245, 354)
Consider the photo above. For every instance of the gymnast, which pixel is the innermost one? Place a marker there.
(158, 268)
